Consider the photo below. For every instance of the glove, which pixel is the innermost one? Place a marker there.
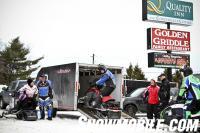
(51, 96)
(179, 98)
(93, 84)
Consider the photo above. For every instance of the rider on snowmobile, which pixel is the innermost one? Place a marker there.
(190, 89)
(106, 82)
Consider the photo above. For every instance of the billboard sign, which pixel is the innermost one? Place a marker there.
(164, 39)
(173, 11)
(167, 60)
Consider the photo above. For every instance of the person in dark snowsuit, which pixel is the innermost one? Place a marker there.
(164, 93)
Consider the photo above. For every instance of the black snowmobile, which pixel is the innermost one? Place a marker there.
(26, 112)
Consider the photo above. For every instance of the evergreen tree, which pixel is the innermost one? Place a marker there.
(130, 72)
(3, 70)
(135, 73)
(15, 59)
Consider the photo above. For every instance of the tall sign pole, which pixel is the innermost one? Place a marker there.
(169, 70)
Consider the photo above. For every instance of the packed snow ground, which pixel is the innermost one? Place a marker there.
(65, 122)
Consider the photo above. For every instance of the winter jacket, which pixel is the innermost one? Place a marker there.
(44, 89)
(27, 92)
(164, 93)
(108, 80)
(191, 87)
(152, 94)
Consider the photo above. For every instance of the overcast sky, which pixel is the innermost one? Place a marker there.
(66, 31)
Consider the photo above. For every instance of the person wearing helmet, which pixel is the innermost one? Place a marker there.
(45, 96)
(106, 81)
(190, 90)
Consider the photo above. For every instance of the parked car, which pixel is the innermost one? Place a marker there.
(6, 95)
(2, 86)
(134, 102)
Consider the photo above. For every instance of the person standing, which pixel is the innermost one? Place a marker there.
(152, 97)
(45, 96)
(164, 93)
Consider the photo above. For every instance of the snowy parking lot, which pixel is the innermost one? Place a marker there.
(59, 125)
(65, 122)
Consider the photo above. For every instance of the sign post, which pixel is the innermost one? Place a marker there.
(169, 70)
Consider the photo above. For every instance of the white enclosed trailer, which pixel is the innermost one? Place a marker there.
(71, 81)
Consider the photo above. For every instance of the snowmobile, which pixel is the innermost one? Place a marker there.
(103, 107)
(27, 112)
(176, 111)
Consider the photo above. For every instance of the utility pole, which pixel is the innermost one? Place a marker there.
(92, 58)
(169, 70)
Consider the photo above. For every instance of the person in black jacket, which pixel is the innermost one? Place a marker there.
(164, 93)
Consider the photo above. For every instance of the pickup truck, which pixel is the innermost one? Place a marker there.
(6, 95)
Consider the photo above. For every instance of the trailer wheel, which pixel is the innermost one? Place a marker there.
(54, 112)
(2, 104)
(131, 110)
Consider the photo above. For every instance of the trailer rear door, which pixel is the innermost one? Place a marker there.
(63, 82)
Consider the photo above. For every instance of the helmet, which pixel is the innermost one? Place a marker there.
(102, 67)
(186, 70)
(43, 75)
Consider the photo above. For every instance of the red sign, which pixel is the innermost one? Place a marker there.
(164, 39)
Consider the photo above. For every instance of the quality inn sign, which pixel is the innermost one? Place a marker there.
(173, 11)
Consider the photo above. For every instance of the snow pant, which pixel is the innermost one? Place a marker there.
(106, 91)
(152, 111)
(45, 103)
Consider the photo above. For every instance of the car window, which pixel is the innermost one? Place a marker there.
(21, 84)
(13, 85)
(174, 91)
(137, 92)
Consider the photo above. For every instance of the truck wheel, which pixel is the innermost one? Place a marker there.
(54, 112)
(131, 110)
(2, 104)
